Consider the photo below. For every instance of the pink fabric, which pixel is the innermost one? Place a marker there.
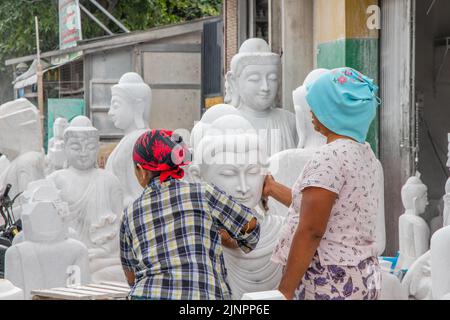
(347, 168)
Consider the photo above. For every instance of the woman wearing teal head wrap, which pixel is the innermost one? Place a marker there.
(333, 249)
(345, 102)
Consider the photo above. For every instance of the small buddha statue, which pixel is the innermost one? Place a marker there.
(55, 155)
(94, 197)
(231, 157)
(414, 233)
(130, 112)
(42, 259)
(21, 142)
(252, 87)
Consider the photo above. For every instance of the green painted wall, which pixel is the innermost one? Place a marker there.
(360, 54)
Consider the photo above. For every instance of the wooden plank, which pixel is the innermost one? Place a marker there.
(55, 294)
(109, 288)
(104, 286)
(116, 284)
(109, 292)
(88, 293)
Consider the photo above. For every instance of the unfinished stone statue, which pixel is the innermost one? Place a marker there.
(21, 142)
(391, 287)
(440, 263)
(417, 280)
(130, 112)
(414, 233)
(94, 197)
(9, 292)
(56, 156)
(230, 156)
(43, 259)
(252, 86)
(286, 166)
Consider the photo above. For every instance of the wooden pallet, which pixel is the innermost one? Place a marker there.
(102, 291)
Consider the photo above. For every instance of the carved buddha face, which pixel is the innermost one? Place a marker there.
(258, 86)
(243, 181)
(415, 196)
(121, 111)
(82, 149)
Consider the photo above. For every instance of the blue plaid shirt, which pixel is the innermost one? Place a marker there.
(169, 238)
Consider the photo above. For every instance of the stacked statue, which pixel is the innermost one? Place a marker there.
(94, 197)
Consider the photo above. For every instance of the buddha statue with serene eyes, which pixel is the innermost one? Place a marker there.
(252, 87)
(94, 197)
(130, 112)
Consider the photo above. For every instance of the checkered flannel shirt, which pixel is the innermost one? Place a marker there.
(169, 238)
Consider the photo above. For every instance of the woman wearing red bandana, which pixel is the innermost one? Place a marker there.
(169, 237)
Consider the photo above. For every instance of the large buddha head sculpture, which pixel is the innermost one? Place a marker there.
(81, 144)
(252, 81)
(415, 195)
(231, 157)
(20, 128)
(130, 103)
(308, 136)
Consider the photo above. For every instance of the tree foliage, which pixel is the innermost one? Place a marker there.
(17, 34)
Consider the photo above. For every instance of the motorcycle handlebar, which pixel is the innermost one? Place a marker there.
(6, 193)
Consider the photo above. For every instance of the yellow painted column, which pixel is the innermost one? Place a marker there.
(344, 39)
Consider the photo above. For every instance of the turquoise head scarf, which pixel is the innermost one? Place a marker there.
(345, 101)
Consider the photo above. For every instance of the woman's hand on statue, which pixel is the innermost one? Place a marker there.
(267, 188)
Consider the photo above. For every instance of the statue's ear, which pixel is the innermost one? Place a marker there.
(415, 204)
(194, 172)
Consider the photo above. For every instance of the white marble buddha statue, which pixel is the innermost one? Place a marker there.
(440, 263)
(10, 292)
(231, 157)
(130, 112)
(43, 259)
(287, 165)
(21, 142)
(94, 197)
(55, 155)
(210, 115)
(414, 233)
(417, 281)
(252, 87)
